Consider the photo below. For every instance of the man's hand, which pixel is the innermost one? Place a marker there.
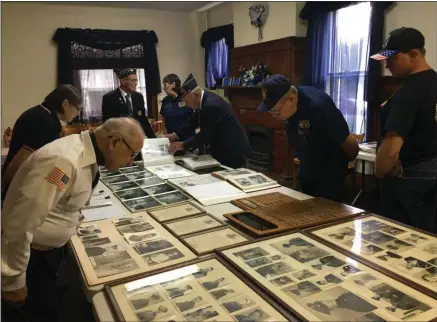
(172, 137)
(16, 297)
(175, 146)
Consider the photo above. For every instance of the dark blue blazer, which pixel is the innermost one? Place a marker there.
(220, 129)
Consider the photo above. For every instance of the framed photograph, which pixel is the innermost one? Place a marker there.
(226, 82)
(139, 175)
(114, 179)
(105, 174)
(236, 81)
(131, 194)
(122, 186)
(140, 204)
(159, 188)
(132, 169)
(111, 249)
(206, 242)
(397, 249)
(318, 283)
(147, 182)
(172, 212)
(193, 225)
(171, 197)
(207, 289)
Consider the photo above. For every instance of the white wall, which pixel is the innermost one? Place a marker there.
(419, 15)
(220, 15)
(29, 57)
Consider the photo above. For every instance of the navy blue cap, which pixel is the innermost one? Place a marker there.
(122, 73)
(273, 88)
(189, 85)
(400, 40)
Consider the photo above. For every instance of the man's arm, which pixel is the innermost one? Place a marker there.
(403, 109)
(30, 198)
(210, 122)
(190, 125)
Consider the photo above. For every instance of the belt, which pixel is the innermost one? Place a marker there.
(42, 248)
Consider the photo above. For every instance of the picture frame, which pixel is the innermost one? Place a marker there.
(206, 242)
(226, 82)
(236, 81)
(172, 212)
(407, 253)
(264, 200)
(192, 225)
(193, 291)
(315, 281)
(110, 249)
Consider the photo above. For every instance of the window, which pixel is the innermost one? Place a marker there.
(218, 65)
(94, 83)
(348, 57)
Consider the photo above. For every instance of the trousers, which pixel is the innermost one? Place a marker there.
(412, 199)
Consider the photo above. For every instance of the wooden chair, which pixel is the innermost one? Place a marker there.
(351, 165)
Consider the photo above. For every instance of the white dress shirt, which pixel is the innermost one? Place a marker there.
(41, 208)
(124, 94)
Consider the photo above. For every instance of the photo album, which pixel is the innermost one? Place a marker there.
(198, 162)
(155, 151)
(247, 180)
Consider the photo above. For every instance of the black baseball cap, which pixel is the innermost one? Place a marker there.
(273, 89)
(400, 40)
(187, 87)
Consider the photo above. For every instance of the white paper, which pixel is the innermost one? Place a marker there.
(155, 151)
(99, 213)
(99, 200)
(214, 193)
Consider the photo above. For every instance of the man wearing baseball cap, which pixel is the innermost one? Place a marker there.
(317, 133)
(406, 160)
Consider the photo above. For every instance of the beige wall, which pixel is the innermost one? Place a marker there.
(220, 15)
(29, 57)
(419, 15)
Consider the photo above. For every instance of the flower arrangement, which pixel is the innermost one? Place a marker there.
(255, 75)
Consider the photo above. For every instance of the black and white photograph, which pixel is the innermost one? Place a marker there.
(201, 314)
(415, 239)
(388, 257)
(256, 314)
(370, 317)
(134, 238)
(104, 174)
(301, 289)
(327, 281)
(303, 275)
(131, 194)
(152, 246)
(433, 261)
(238, 303)
(158, 189)
(429, 276)
(342, 234)
(150, 181)
(397, 245)
(114, 179)
(178, 291)
(274, 270)
(371, 226)
(251, 253)
(203, 272)
(110, 255)
(349, 271)
(365, 280)
(145, 300)
(224, 293)
(135, 228)
(300, 250)
(93, 251)
(214, 283)
(116, 267)
(141, 203)
(162, 257)
(398, 303)
(139, 175)
(92, 229)
(326, 263)
(258, 262)
(88, 237)
(411, 265)
(189, 302)
(394, 231)
(338, 304)
(431, 249)
(377, 238)
(156, 312)
(370, 249)
(122, 186)
(281, 281)
(124, 221)
(96, 242)
(171, 197)
(131, 169)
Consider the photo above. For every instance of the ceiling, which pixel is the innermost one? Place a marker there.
(176, 6)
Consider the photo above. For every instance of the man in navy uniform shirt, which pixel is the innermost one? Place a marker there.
(317, 132)
(125, 101)
(172, 111)
(219, 128)
(406, 160)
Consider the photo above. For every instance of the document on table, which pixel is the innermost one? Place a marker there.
(98, 213)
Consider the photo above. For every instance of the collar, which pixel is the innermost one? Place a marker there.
(99, 155)
(123, 93)
(55, 117)
(89, 152)
(201, 99)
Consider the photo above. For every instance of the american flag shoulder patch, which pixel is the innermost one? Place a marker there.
(58, 178)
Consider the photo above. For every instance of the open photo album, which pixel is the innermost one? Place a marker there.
(246, 180)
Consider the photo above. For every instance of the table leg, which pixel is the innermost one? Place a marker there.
(363, 167)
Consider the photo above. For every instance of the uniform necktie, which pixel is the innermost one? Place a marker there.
(129, 105)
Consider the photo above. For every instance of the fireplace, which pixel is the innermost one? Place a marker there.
(261, 143)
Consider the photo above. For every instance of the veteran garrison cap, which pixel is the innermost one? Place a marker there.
(187, 87)
(121, 73)
(273, 89)
(400, 40)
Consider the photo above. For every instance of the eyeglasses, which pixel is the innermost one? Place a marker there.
(77, 108)
(133, 154)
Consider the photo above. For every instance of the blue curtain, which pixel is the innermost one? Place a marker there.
(218, 64)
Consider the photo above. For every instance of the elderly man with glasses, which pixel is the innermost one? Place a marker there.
(42, 208)
(317, 133)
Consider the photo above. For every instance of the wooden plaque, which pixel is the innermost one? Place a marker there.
(265, 200)
(282, 217)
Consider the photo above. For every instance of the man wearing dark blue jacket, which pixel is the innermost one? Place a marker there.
(317, 133)
(219, 128)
